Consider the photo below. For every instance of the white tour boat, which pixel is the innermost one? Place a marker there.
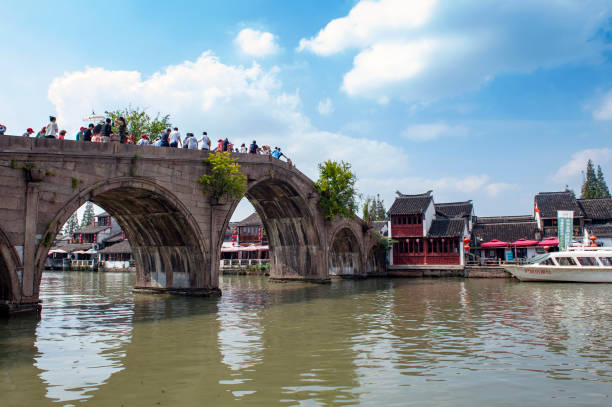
(577, 264)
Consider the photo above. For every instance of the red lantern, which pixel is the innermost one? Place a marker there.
(547, 248)
(593, 238)
(467, 247)
(466, 240)
(259, 234)
(593, 245)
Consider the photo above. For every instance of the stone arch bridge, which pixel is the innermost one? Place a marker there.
(174, 230)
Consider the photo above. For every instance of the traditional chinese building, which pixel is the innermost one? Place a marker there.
(102, 228)
(427, 233)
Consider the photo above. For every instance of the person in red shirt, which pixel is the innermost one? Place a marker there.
(62, 134)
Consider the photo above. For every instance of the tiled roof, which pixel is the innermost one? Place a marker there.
(410, 204)
(121, 247)
(251, 220)
(91, 229)
(550, 202)
(102, 214)
(73, 247)
(600, 230)
(115, 239)
(505, 228)
(446, 228)
(378, 225)
(454, 209)
(597, 209)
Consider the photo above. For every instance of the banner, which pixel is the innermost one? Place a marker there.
(565, 228)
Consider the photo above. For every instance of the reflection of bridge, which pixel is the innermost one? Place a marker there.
(174, 230)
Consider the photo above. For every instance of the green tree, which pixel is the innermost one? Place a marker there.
(602, 187)
(373, 209)
(336, 185)
(88, 215)
(589, 187)
(139, 122)
(72, 224)
(224, 179)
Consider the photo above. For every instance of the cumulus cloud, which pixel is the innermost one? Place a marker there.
(420, 51)
(256, 43)
(604, 112)
(574, 168)
(325, 107)
(432, 131)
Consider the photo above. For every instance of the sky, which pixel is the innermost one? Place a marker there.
(488, 101)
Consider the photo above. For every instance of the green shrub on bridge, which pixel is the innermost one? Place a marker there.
(336, 185)
(224, 179)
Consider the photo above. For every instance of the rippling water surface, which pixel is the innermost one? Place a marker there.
(375, 342)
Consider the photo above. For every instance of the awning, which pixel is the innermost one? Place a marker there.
(243, 249)
(524, 243)
(57, 251)
(494, 244)
(79, 252)
(91, 251)
(551, 241)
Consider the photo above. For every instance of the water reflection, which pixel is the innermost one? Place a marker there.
(375, 342)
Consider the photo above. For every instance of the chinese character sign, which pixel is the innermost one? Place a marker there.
(565, 227)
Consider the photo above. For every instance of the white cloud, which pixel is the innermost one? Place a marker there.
(496, 188)
(420, 51)
(325, 107)
(256, 43)
(574, 168)
(604, 112)
(433, 131)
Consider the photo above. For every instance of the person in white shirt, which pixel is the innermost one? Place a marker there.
(144, 140)
(205, 141)
(175, 138)
(52, 128)
(192, 142)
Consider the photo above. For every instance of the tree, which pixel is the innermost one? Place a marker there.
(139, 122)
(373, 209)
(72, 224)
(602, 187)
(589, 187)
(88, 215)
(336, 185)
(224, 179)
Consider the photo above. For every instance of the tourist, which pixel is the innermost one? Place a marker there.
(41, 133)
(97, 130)
(226, 144)
(144, 140)
(88, 132)
(219, 145)
(186, 140)
(175, 138)
(80, 134)
(193, 142)
(158, 143)
(28, 132)
(122, 130)
(2, 129)
(205, 141)
(62, 134)
(277, 153)
(164, 140)
(243, 149)
(253, 148)
(52, 128)
(107, 130)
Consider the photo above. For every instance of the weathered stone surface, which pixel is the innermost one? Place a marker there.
(175, 232)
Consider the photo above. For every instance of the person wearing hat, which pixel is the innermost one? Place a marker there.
(28, 132)
(80, 134)
(205, 141)
(52, 128)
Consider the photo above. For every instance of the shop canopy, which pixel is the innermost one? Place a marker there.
(494, 243)
(57, 251)
(551, 241)
(524, 243)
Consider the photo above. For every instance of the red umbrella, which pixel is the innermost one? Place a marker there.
(549, 241)
(524, 243)
(494, 243)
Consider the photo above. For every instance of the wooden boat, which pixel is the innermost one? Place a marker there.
(577, 264)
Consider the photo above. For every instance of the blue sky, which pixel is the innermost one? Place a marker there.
(490, 101)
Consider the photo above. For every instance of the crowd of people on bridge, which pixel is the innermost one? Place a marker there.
(103, 131)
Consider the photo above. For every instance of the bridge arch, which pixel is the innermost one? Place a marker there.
(167, 242)
(292, 227)
(9, 264)
(345, 252)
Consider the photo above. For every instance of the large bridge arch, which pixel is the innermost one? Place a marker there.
(293, 228)
(168, 246)
(346, 254)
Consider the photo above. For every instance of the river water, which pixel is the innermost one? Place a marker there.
(378, 342)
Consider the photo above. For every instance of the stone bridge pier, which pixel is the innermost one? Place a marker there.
(175, 231)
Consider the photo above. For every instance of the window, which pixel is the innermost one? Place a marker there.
(566, 261)
(394, 219)
(606, 261)
(421, 246)
(548, 222)
(420, 219)
(430, 246)
(587, 261)
(548, 262)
